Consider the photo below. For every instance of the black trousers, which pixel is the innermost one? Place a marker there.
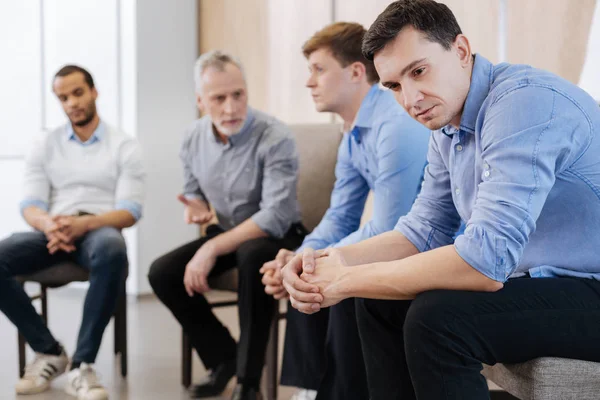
(323, 352)
(432, 348)
(208, 335)
(304, 348)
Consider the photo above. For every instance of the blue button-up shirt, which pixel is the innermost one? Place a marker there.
(523, 170)
(384, 152)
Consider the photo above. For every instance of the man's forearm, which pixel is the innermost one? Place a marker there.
(229, 241)
(119, 219)
(385, 247)
(36, 218)
(441, 268)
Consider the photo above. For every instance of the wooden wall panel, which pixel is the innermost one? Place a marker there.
(291, 23)
(549, 34)
(239, 27)
(478, 20)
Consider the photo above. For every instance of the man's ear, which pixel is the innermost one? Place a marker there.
(199, 103)
(358, 71)
(463, 50)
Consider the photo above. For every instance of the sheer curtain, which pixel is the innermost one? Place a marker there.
(549, 34)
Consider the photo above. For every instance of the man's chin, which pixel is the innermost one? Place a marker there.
(230, 131)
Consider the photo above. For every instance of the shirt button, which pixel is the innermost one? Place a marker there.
(459, 147)
(457, 191)
(486, 173)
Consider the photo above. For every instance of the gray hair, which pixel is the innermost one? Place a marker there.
(216, 59)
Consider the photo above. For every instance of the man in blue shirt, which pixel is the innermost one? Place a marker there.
(515, 155)
(382, 150)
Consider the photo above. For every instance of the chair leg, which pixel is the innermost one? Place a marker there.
(21, 355)
(272, 361)
(44, 300)
(117, 320)
(121, 331)
(186, 360)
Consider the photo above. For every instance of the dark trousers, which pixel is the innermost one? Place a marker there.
(208, 336)
(432, 348)
(102, 251)
(304, 348)
(323, 352)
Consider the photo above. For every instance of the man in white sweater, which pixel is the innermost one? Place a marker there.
(83, 184)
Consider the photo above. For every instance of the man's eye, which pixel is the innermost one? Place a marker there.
(418, 72)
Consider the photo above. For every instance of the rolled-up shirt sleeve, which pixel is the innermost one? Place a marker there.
(36, 184)
(433, 219)
(129, 194)
(525, 146)
(278, 205)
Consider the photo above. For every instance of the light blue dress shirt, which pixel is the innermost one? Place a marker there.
(523, 170)
(384, 152)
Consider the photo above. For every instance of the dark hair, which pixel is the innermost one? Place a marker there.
(70, 69)
(434, 19)
(344, 40)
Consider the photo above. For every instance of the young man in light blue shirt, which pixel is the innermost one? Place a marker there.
(515, 155)
(382, 150)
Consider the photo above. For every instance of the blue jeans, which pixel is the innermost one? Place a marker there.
(101, 251)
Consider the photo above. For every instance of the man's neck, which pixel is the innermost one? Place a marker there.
(349, 112)
(85, 132)
(220, 136)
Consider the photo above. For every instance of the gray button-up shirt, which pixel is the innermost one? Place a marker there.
(253, 176)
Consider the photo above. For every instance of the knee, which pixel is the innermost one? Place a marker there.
(251, 255)
(429, 318)
(109, 252)
(158, 274)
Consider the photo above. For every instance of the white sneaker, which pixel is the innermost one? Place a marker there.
(41, 372)
(304, 394)
(83, 383)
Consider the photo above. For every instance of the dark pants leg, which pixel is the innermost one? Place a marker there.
(104, 253)
(20, 254)
(255, 307)
(345, 376)
(304, 348)
(208, 335)
(449, 334)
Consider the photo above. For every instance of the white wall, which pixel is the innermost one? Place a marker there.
(141, 54)
(166, 50)
(590, 75)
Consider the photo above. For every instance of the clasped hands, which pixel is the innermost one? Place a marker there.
(312, 279)
(62, 231)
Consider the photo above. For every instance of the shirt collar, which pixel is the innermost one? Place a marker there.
(481, 81)
(364, 116)
(365, 112)
(242, 134)
(98, 134)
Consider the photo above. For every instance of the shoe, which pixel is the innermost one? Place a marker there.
(242, 392)
(215, 382)
(83, 384)
(304, 394)
(41, 372)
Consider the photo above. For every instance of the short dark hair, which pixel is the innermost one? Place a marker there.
(434, 19)
(70, 69)
(344, 40)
